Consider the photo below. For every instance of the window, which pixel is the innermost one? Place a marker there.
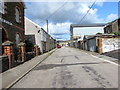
(4, 35)
(17, 17)
(2, 6)
(17, 39)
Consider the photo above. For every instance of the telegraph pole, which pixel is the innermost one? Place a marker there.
(47, 26)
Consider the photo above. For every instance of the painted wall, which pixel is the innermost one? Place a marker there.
(32, 29)
(87, 31)
(110, 44)
(42, 38)
(48, 42)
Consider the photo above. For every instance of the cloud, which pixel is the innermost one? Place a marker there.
(58, 30)
(71, 11)
(111, 17)
(100, 2)
(61, 18)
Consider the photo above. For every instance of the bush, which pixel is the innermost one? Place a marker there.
(115, 33)
(98, 33)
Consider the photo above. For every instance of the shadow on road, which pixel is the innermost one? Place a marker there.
(113, 54)
(51, 66)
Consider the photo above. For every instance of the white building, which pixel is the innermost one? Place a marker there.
(42, 38)
(32, 28)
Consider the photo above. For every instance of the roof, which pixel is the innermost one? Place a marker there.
(63, 41)
(110, 23)
(101, 35)
(88, 25)
(89, 36)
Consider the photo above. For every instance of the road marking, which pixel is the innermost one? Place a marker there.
(105, 60)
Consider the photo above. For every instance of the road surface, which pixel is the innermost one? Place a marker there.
(71, 68)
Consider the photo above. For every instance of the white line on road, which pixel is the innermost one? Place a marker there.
(105, 60)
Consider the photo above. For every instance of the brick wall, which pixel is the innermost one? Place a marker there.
(10, 16)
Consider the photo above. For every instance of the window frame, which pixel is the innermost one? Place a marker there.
(20, 15)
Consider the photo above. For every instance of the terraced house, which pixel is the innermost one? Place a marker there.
(38, 36)
(12, 29)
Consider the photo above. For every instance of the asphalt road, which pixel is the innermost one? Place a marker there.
(71, 68)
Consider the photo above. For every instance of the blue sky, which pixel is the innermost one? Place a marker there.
(107, 9)
(103, 11)
(63, 14)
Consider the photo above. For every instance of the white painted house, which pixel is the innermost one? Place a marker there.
(42, 38)
(32, 28)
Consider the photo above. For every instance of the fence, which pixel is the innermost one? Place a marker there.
(4, 63)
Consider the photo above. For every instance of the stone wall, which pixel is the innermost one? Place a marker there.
(110, 44)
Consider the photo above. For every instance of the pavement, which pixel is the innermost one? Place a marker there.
(13, 75)
(71, 68)
(111, 56)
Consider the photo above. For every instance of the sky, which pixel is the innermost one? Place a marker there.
(61, 15)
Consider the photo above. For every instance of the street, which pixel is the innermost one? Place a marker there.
(71, 68)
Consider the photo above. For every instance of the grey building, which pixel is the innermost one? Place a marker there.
(113, 26)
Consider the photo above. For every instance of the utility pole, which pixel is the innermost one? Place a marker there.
(47, 26)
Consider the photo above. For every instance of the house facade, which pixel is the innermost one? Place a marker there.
(13, 22)
(44, 41)
(32, 29)
(113, 26)
(12, 31)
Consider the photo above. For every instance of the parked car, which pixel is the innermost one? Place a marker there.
(58, 46)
